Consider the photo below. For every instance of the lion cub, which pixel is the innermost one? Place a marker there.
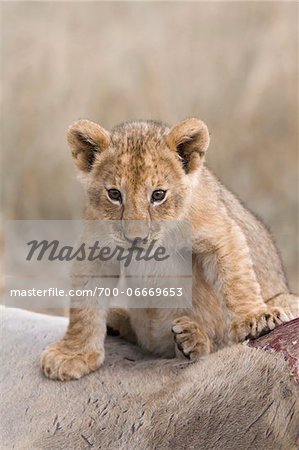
(147, 171)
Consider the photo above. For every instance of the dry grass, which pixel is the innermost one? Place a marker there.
(231, 64)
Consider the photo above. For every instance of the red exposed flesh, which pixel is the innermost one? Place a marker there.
(285, 339)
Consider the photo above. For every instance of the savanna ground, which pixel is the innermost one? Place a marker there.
(232, 64)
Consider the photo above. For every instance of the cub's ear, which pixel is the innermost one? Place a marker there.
(85, 139)
(190, 139)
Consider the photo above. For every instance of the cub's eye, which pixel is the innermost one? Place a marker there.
(114, 195)
(158, 196)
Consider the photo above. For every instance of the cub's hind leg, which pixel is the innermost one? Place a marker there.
(189, 339)
(119, 324)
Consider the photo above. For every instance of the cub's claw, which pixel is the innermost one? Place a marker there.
(257, 324)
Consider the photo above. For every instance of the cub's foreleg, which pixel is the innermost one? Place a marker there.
(81, 350)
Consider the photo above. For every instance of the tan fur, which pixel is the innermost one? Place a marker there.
(239, 287)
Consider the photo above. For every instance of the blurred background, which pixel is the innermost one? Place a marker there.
(232, 64)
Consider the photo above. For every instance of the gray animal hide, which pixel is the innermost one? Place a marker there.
(238, 398)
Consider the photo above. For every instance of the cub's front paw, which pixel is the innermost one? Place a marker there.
(60, 363)
(189, 339)
(256, 324)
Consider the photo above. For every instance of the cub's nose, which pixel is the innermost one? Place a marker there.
(135, 231)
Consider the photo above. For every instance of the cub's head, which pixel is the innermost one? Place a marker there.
(140, 171)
